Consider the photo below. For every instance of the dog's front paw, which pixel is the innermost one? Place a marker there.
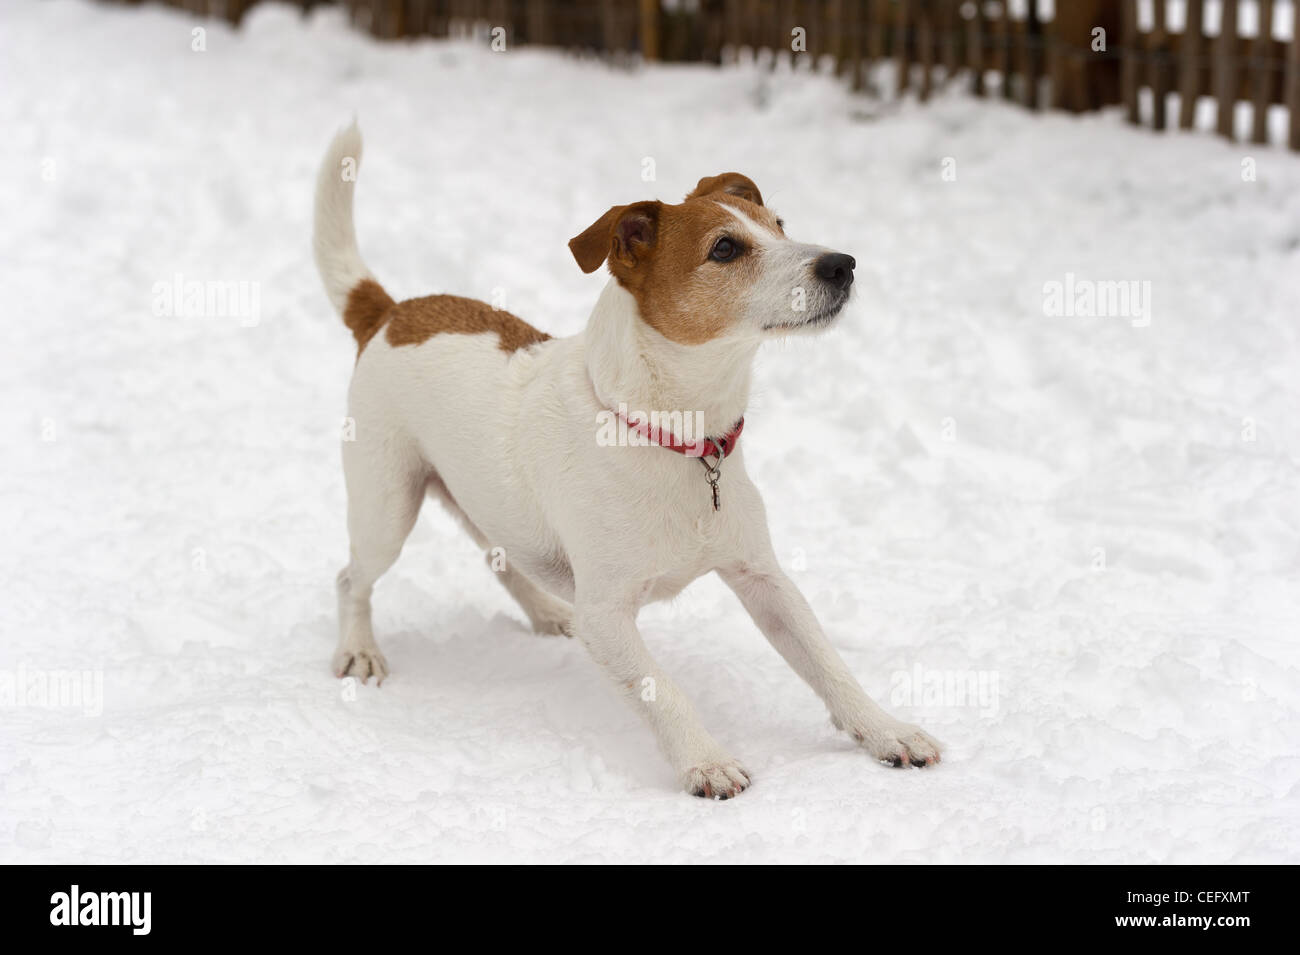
(717, 780)
(362, 663)
(899, 744)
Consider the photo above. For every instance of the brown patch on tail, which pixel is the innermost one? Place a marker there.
(366, 307)
(418, 319)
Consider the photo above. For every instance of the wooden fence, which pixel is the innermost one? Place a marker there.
(1090, 54)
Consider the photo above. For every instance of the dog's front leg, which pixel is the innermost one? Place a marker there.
(787, 621)
(608, 630)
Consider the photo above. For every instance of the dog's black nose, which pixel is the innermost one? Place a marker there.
(836, 268)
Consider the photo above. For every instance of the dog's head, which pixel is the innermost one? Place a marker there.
(718, 264)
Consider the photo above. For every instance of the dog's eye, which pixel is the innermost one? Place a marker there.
(724, 250)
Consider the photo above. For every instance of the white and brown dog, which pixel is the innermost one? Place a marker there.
(509, 429)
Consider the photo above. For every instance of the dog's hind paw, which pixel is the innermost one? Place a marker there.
(719, 780)
(360, 663)
(553, 618)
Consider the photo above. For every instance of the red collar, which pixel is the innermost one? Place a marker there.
(710, 447)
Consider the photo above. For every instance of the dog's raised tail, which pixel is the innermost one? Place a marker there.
(357, 296)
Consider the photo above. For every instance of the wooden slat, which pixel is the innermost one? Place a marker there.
(435, 19)
(948, 28)
(1189, 63)
(902, 51)
(733, 28)
(876, 38)
(975, 49)
(742, 26)
(803, 14)
(1002, 56)
(765, 28)
(649, 28)
(1157, 67)
(1033, 55)
(538, 22)
(608, 27)
(1071, 58)
(416, 14)
(828, 29)
(925, 46)
(857, 40)
(1056, 64)
(820, 43)
(1129, 62)
(1262, 74)
(788, 20)
(1293, 85)
(836, 25)
(1225, 68)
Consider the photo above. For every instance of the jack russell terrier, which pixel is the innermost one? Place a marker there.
(508, 428)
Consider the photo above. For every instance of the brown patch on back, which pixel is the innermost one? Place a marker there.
(365, 309)
(418, 319)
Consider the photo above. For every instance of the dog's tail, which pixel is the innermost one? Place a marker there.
(356, 295)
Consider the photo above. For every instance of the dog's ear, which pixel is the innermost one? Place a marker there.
(732, 183)
(624, 234)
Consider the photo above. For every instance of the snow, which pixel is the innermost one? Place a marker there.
(1093, 521)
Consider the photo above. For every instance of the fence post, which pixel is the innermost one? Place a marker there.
(537, 18)
(1189, 55)
(805, 15)
(1058, 63)
(879, 17)
(975, 49)
(1156, 74)
(1262, 67)
(1129, 65)
(835, 23)
(1225, 68)
(857, 23)
(902, 49)
(948, 39)
(1293, 86)
(925, 46)
(649, 29)
(1033, 60)
(1002, 63)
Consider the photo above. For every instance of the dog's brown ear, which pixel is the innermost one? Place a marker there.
(624, 234)
(732, 183)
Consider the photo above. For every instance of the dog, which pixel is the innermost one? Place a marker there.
(553, 454)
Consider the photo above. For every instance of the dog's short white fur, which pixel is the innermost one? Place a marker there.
(507, 441)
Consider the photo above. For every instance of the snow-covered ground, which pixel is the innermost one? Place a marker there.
(1092, 521)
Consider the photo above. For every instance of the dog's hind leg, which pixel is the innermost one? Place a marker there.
(386, 479)
(547, 613)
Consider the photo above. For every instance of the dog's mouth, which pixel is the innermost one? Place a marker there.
(814, 323)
